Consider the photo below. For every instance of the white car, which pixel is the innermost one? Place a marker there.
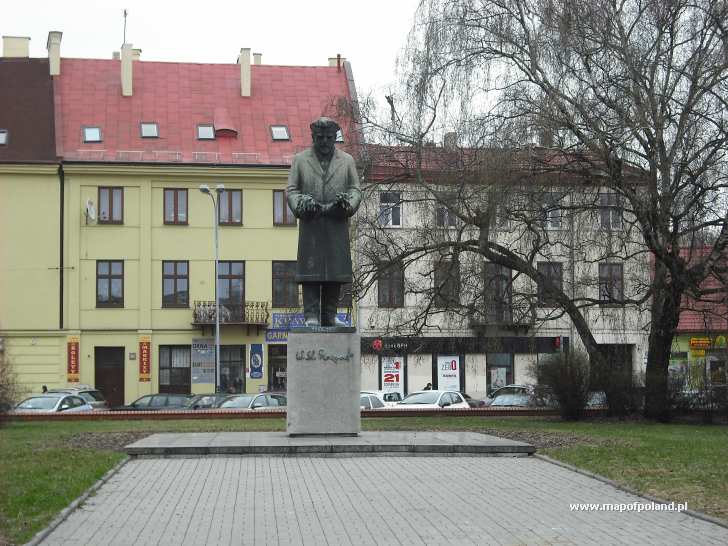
(52, 402)
(369, 400)
(433, 400)
(388, 398)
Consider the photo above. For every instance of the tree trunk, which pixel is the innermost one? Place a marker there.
(665, 317)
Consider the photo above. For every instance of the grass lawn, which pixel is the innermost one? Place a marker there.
(45, 465)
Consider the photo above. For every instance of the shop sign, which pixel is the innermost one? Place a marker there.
(203, 361)
(286, 321)
(256, 361)
(697, 352)
(276, 335)
(392, 370)
(73, 372)
(700, 343)
(448, 373)
(145, 359)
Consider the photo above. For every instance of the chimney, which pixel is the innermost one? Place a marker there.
(126, 70)
(337, 61)
(116, 55)
(244, 62)
(136, 54)
(16, 46)
(53, 45)
(257, 58)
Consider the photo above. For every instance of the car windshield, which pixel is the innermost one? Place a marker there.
(421, 398)
(237, 402)
(392, 397)
(92, 396)
(39, 403)
(511, 400)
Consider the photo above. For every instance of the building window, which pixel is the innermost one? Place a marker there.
(285, 287)
(444, 215)
(447, 283)
(175, 206)
(149, 129)
(553, 271)
(111, 205)
(282, 213)
(205, 132)
(611, 283)
(174, 369)
(92, 134)
(551, 211)
(3, 137)
(175, 284)
(109, 283)
(279, 132)
(498, 294)
(230, 207)
(345, 295)
(390, 209)
(232, 368)
(610, 211)
(231, 283)
(390, 285)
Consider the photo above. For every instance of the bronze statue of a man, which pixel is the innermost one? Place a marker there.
(323, 192)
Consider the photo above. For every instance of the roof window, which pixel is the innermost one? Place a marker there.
(279, 132)
(149, 129)
(3, 137)
(92, 134)
(206, 132)
(339, 136)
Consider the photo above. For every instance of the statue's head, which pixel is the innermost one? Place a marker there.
(323, 133)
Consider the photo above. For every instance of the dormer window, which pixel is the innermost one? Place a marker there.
(279, 132)
(205, 132)
(92, 134)
(339, 136)
(3, 137)
(149, 129)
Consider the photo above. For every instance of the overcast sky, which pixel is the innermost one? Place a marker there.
(370, 34)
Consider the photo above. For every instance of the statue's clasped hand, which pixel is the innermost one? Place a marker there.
(341, 207)
(309, 208)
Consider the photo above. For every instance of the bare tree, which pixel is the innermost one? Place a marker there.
(633, 95)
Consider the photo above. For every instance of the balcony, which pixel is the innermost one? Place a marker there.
(249, 313)
(501, 320)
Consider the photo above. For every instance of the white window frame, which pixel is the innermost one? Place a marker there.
(384, 218)
(279, 137)
(87, 128)
(3, 137)
(148, 124)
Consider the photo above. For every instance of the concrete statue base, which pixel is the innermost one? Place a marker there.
(324, 381)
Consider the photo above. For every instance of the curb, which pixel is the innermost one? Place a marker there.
(62, 516)
(697, 515)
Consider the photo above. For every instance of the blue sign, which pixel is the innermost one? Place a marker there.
(281, 323)
(256, 361)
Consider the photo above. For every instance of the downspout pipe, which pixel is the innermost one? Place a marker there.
(62, 188)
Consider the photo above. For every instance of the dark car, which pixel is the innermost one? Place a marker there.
(207, 401)
(157, 402)
(473, 402)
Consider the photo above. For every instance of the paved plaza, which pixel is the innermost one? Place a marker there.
(341, 500)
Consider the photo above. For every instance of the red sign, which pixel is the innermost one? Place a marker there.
(145, 359)
(377, 345)
(73, 372)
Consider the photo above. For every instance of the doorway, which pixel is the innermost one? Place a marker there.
(109, 374)
(277, 367)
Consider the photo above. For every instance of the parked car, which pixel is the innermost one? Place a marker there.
(388, 398)
(92, 396)
(255, 401)
(433, 400)
(157, 402)
(473, 402)
(206, 401)
(524, 396)
(369, 400)
(52, 402)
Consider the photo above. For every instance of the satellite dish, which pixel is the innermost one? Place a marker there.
(90, 211)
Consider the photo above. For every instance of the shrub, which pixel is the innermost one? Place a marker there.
(616, 380)
(567, 376)
(8, 385)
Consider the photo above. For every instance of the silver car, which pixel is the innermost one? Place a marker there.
(93, 396)
(255, 401)
(52, 402)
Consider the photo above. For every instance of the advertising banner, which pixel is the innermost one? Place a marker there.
(498, 377)
(73, 371)
(145, 359)
(281, 323)
(448, 370)
(203, 360)
(392, 374)
(256, 361)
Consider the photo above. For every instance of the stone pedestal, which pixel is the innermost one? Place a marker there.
(324, 381)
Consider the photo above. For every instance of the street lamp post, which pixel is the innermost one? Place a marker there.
(204, 188)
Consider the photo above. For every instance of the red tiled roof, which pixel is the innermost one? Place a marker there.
(179, 96)
(710, 314)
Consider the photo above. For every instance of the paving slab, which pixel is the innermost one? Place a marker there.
(367, 443)
(367, 500)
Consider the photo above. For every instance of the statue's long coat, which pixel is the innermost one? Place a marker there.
(324, 253)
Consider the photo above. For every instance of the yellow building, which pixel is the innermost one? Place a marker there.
(123, 299)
